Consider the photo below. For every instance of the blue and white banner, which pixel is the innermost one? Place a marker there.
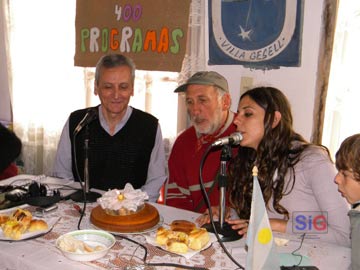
(255, 33)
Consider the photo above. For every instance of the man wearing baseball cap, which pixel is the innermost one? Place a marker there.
(208, 104)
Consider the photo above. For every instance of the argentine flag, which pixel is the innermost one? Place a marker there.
(260, 242)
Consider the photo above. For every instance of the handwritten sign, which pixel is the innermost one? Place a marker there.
(153, 33)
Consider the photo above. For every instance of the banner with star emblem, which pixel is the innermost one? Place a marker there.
(260, 241)
(255, 33)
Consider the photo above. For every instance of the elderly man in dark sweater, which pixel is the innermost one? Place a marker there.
(125, 144)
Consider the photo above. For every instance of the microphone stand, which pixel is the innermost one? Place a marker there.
(221, 226)
(85, 195)
(225, 156)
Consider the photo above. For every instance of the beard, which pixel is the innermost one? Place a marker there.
(209, 126)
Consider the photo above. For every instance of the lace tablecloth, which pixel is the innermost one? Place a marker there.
(41, 253)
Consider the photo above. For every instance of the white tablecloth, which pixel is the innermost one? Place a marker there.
(42, 254)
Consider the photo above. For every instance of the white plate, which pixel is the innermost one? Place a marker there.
(8, 211)
(161, 221)
(30, 235)
(151, 239)
(92, 238)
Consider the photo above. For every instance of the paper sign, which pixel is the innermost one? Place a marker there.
(153, 33)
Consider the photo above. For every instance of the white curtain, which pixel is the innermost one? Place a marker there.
(5, 100)
(195, 57)
(342, 104)
(46, 86)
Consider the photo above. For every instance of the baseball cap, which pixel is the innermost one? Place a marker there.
(205, 78)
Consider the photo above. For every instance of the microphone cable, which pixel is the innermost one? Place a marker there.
(80, 180)
(158, 264)
(206, 198)
(297, 249)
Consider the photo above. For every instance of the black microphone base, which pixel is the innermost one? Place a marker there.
(228, 234)
(91, 196)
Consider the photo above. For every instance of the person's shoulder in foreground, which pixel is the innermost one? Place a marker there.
(10, 146)
(348, 181)
(208, 101)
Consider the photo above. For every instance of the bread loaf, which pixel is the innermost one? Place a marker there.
(182, 236)
(182, 226)
(163, 236)
(37, 225)
(13, 229)
(17, 231)
(21, 215)
(3, 219)
(20, 222)
(8, 226)
(198, 238)
(175, 246)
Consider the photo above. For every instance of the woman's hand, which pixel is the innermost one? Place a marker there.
(240, 225)
(205, 218)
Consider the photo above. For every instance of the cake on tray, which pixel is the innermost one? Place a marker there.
(124, 211)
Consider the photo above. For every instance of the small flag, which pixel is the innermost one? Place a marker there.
(261, 247)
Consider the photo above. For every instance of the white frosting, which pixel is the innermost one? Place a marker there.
(132, 198)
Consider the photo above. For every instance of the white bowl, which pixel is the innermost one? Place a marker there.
(92, 238)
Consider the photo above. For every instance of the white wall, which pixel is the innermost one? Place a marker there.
(298, 83)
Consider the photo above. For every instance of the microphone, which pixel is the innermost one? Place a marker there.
(90, 116)
(233, 139)
(84, 195)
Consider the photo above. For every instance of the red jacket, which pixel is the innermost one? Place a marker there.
(10, 171)
(183, 187)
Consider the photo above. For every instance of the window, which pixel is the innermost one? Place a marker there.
(342, 105)
(46, 87)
